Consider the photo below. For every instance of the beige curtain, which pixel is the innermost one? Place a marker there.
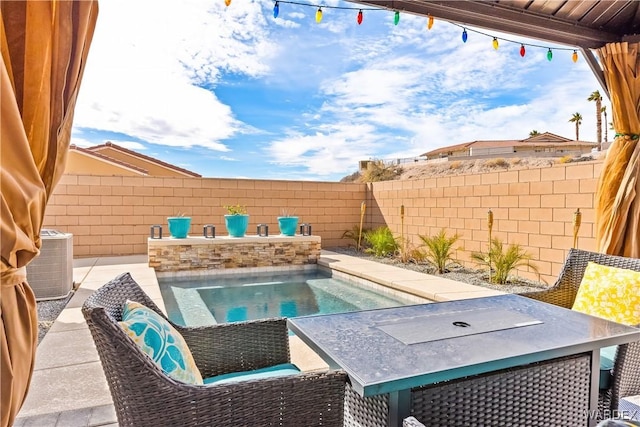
(44, 46)
(618, 195)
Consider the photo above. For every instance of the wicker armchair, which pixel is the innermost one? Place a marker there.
(626, 369)
(144, 395)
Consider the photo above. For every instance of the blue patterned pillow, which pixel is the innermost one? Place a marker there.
(158, 339)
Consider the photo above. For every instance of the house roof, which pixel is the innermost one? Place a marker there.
(108, 159)
(546, 139)
(111, 146)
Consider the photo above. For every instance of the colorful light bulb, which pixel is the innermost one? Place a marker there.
(464, 35)
(319, 15)
(360, 16)
(522, 50)
(495, 43)
(429, 22)
(396, 17)
(227, 2)
(549, 55)
(574, 57)
(276, 10)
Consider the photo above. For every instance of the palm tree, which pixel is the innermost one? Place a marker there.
(595, 96)
(533, 133)
(604, 111)
(577, 119)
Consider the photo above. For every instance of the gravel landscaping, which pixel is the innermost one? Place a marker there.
(461, 274)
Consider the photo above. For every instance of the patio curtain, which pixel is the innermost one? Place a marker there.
(44, 46)
(618, 195)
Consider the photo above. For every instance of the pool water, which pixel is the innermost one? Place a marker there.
(222, 299)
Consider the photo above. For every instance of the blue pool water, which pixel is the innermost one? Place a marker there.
(221, 299)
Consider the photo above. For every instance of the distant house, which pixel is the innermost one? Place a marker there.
(111, 159)
(543, 145)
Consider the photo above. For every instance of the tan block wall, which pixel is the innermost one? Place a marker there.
(531, 207)
(112, 215)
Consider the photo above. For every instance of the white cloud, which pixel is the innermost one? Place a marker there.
(140, 77)
(404, 103)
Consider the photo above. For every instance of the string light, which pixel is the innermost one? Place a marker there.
(227, 2)
(430, 21)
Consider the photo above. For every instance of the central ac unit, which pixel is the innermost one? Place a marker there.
(50, 274)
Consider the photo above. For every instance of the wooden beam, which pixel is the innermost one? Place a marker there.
(497, 17)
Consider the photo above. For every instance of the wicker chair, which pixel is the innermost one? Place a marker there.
(626, 369)
(144, 395)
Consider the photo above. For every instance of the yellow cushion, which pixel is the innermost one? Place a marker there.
(610, 293)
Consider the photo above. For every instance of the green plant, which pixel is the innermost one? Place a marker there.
(285, 212)
(501, 261)
(355, 234)
(381, 242)
(407, 252)
(439, 249)
(236, 209)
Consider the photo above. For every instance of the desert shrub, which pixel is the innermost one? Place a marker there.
(565, 159)
(380, 242)
(516, 161)
(497, 163)
(354, 177)
(407, 252)
(439, 249)
(377, 171)
(455, 165)
(502, 261)
(356, 234)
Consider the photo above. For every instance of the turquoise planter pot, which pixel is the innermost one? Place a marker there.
(179, 226)
(288, 225)
(236, 224)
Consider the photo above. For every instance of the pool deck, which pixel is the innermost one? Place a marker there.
(69, 389)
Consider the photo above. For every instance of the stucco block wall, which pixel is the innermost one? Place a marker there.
(531, 207)
(112, 215)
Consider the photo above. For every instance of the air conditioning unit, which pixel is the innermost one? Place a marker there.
(50, 275)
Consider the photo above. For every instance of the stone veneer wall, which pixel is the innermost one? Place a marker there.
(197, 254)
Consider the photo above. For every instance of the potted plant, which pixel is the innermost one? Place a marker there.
(236, 220)
(288, 223)
(179, 225)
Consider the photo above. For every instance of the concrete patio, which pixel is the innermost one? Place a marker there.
(68, 386)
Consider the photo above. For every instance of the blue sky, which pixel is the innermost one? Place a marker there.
(232, 92)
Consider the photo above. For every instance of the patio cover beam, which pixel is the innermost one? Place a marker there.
(498, 17)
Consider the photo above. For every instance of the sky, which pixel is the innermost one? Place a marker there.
(232, 92)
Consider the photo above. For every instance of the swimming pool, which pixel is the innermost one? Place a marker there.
(197, 301)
